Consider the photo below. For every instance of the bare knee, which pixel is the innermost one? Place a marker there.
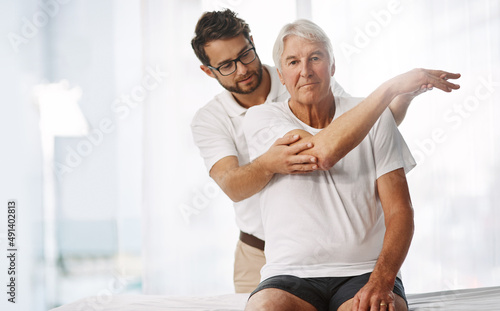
(400, 304)
(260, 301)
(273, 299)
(254, 304)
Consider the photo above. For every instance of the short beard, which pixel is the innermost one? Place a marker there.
(236, 88)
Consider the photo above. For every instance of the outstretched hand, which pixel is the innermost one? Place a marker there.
(419, 80)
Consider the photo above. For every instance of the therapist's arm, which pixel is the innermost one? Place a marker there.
(347, 131)
(241, 182)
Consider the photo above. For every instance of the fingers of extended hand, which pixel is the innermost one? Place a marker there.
(442, 74)
(448, 75)
(445, 85)
(439, 80)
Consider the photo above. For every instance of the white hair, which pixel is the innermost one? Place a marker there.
(305, 29)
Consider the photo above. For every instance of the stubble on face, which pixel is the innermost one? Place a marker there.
(237, 88)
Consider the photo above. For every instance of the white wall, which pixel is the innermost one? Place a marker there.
(21, 158)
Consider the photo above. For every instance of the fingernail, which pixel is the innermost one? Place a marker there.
(295, 136)
(309, 145)
(313, 160)
(314, 167)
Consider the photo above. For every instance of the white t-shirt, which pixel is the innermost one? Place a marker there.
(218, 133)
(326, 223)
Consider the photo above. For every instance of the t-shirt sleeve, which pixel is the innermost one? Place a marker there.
(212, 138)
(389, 148)
(262, 126)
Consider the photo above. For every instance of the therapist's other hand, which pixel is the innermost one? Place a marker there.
(282, 158)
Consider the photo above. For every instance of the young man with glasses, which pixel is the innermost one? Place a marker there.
(225, 48)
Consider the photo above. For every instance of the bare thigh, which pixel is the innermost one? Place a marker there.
(273, 299)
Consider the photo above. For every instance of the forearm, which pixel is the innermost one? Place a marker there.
(242, 182)
(347, 131)
(397, 240)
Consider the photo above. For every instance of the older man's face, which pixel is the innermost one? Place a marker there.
(306, 70)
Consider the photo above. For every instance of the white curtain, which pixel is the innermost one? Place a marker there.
(188, 223)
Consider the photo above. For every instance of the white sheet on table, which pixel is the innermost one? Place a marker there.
(485, 299)
(229, 302)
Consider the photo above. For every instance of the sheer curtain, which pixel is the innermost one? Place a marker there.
(188, 223)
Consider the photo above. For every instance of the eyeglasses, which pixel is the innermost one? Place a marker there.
(229, 67)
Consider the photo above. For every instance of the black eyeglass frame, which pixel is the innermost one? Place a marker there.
(236, 60)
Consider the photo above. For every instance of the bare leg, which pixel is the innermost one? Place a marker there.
(273, 299)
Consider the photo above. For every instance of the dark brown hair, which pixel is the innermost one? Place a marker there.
(217, 25)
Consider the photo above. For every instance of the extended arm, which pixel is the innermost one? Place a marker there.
(241, 182)
(399, 105)
(398, 215)
(347, 131)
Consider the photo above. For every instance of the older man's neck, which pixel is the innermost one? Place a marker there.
(318, 116)
(258, 96)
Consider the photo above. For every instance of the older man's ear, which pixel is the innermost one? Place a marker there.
(333, 69)
(281, 77)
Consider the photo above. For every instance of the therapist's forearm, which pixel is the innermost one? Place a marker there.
(241, 182)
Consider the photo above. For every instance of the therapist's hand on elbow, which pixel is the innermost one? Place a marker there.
(322, 152)
(283, 156)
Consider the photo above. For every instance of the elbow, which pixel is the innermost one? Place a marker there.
(330, 152)
(229, 191)
(235, 197)
(328, 158)
(326, 163)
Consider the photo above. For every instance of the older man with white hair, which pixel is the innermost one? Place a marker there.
(335, 238)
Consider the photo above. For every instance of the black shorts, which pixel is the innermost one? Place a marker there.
(325, 293)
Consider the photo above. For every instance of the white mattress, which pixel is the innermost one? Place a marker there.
(469, 299)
